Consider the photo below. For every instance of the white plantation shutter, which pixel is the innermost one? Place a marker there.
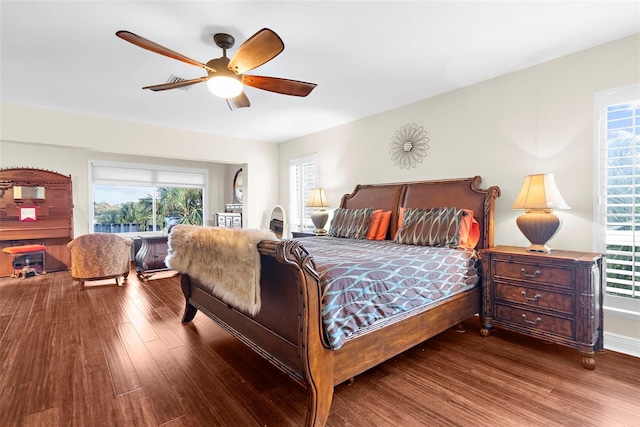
(295, 191)
(302, 179)
(619, 135)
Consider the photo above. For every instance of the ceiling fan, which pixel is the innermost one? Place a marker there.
(226, 77)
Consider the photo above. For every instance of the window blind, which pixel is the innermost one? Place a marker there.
(130, 174)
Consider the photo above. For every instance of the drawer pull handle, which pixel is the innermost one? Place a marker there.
(533, 276)
(531, 322)
(535, 298)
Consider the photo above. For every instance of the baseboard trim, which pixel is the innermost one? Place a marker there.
(622, 344)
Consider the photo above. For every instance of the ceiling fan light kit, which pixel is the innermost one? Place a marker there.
(225, 77)
(223, 82)
(224, 87)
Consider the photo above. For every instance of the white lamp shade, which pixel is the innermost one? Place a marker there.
(317, 199)
(539, 192)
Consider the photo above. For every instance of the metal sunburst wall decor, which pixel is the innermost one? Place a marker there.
(409, 145)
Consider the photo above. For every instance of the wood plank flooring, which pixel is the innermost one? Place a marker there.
(119, 356)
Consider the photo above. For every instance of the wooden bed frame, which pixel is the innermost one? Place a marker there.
(288, 330)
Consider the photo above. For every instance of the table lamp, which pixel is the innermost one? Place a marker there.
(319, 216)
(538, 197)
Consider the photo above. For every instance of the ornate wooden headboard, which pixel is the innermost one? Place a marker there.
(48, 198)
(464, 193)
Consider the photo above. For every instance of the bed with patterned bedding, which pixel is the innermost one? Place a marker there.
(368, 282)
(333, 307)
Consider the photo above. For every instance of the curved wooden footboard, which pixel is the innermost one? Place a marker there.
(315, 355)
(288, 330)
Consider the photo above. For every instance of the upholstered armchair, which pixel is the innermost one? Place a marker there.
(100, 256)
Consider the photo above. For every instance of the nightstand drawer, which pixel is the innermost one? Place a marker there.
(535, 321)
(534, 297)
(534, 273)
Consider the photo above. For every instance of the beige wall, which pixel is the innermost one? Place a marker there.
(64, 142)
(537, 120)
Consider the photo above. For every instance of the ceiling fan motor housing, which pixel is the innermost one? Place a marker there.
(221, 67)
(224, 41)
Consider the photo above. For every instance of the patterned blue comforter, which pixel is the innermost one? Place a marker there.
(366, 281)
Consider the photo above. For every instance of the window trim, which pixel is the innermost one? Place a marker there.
(626, 307)
(149, 167)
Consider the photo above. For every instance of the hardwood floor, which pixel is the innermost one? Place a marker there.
(121, 357)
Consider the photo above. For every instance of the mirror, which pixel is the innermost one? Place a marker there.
(238, 187)
(277, 221)
(22, 192)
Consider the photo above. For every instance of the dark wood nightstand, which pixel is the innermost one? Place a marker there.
(150, 254)
(300, 234)
(556, 297)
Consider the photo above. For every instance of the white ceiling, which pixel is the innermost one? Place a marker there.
(366, 56)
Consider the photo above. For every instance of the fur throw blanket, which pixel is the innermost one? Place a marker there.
(225, 260)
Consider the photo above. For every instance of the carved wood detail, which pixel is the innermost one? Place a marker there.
(54, 225)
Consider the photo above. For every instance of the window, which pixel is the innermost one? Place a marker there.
(618, 114)
(142, 198)
(302, 178)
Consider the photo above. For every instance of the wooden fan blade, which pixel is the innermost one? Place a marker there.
(155, 47)
(176, 85)
(240, 101)
(263, 46)
(278, 85)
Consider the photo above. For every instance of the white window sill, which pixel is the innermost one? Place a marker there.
(619, 312)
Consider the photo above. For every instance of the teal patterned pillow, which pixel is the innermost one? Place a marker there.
(431, 227)
(350, 223)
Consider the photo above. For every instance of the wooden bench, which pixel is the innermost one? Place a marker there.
(22, 263)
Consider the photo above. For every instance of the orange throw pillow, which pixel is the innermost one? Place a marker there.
(381, 234)
(469, 231)
(376, 216)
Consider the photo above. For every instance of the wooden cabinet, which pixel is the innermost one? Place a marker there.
(556, 297)
(49, 194)
(229, 219)
(150, 253)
